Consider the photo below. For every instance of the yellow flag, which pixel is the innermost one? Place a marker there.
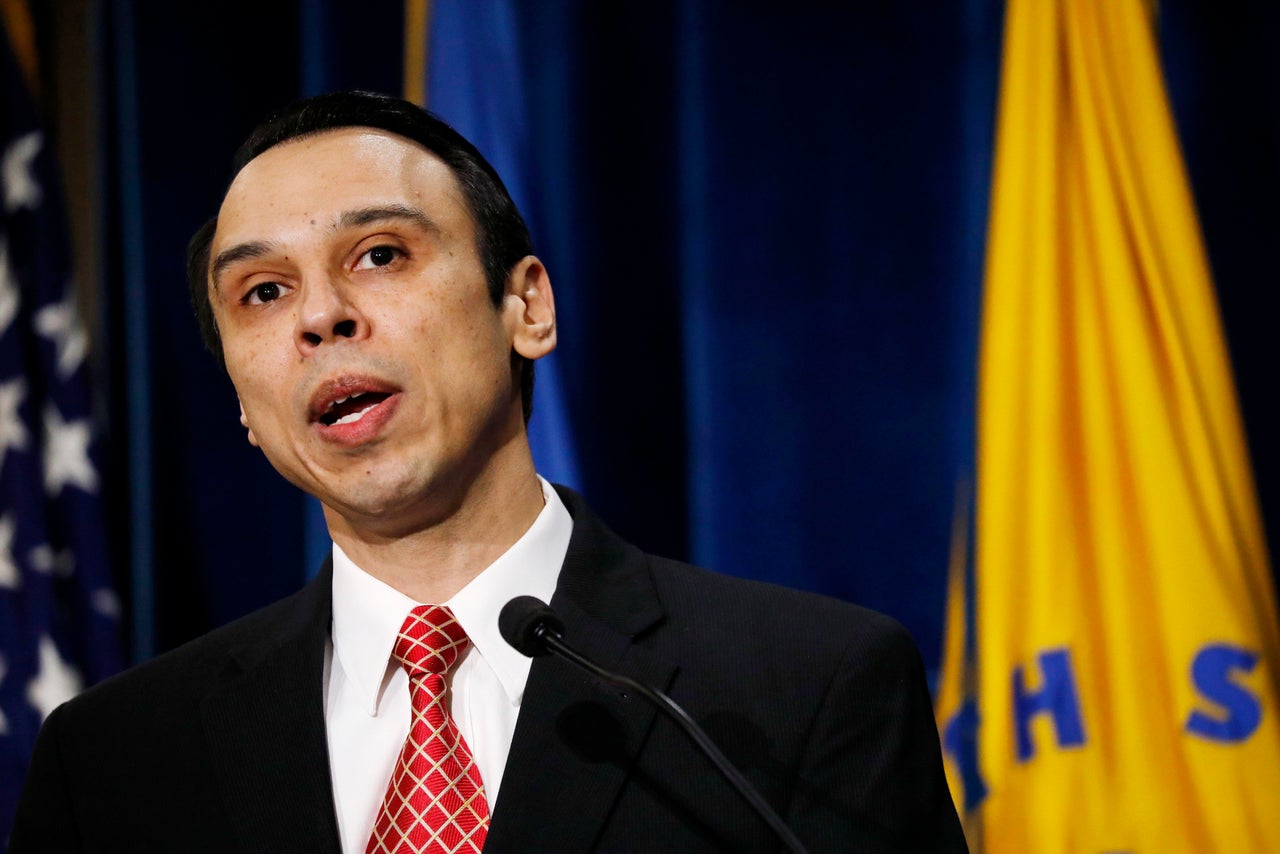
(1125, 641)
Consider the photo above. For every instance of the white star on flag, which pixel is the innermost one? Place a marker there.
(59, 323)
(66, 454)
(105, 602)
(21, 190)
(9, 576)
(56, 682)
(13, 433)
(60, 563)
(9, 296)
(4, 722)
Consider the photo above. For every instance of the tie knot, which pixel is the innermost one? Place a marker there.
(430, 640)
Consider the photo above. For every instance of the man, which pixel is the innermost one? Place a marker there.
(371, 291)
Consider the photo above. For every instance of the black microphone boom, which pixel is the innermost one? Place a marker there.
(529, 625)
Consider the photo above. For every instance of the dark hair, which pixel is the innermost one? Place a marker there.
(502, 238)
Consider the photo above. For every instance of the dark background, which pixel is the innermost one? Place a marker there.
(765, 225)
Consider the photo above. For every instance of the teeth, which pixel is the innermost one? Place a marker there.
(354, 416)
(345, 399)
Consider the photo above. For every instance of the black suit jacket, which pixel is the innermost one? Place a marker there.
(220, 745)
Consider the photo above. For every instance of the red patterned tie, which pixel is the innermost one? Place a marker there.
(435, 801)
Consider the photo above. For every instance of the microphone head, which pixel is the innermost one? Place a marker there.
(525, 621)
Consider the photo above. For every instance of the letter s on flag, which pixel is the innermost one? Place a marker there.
(1211, 671)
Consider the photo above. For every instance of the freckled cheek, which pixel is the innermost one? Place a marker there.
(264, 347)
(259, 371)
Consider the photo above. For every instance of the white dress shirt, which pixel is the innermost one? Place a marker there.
(367, 707)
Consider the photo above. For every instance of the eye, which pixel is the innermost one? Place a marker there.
(378, 256)
(263, 293)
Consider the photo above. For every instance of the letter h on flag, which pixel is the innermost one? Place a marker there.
(1110, 681)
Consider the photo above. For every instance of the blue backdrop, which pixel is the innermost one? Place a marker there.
(765, 226)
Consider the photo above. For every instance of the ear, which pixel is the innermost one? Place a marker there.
(244, 422)
(529, 309)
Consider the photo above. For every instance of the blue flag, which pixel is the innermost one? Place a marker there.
(476, 85)
(58, 613)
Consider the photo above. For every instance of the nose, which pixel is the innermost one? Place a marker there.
(326, 315)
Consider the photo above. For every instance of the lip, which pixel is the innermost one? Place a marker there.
(371, 420)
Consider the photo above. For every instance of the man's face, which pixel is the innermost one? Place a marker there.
(373, 368)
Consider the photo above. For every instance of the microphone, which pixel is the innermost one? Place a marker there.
(529, 625)
(525, 622)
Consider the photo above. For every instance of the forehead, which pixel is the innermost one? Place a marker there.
(312, 181)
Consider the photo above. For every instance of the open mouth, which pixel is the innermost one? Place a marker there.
(351, 408)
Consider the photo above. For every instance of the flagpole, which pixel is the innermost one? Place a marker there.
(137, 344)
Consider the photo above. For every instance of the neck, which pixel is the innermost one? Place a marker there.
(433, 562)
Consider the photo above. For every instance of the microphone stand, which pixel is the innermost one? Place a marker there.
(552, 641)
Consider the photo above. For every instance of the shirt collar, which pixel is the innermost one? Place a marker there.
(367, 613)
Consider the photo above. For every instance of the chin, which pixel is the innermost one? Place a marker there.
(395, 501)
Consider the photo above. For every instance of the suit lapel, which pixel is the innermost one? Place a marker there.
(575, 741)
(577, 738)
(265, 725)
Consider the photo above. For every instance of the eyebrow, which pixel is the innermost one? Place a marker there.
(234, 254)
(348, 219)
(383, 213)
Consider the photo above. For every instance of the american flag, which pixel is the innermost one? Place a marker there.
(59, 617)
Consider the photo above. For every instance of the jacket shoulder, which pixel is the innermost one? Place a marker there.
(733, 608)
